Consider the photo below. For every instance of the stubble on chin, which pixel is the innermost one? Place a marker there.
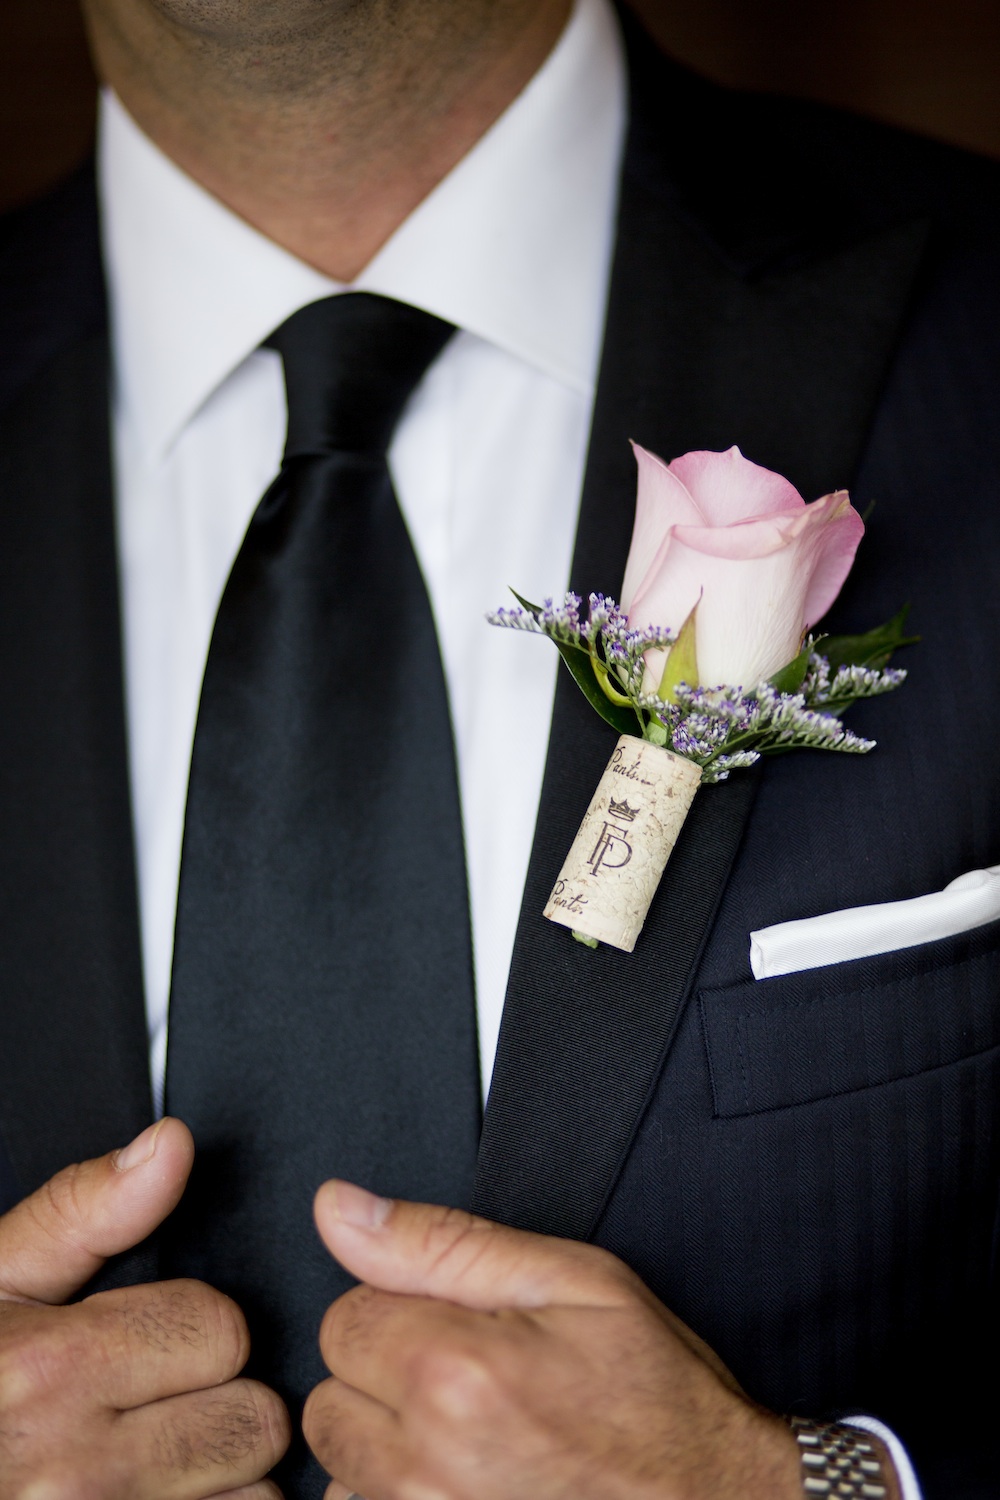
(296, 46)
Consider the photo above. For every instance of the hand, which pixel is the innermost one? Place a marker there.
(479, 1363)
(128, 1394)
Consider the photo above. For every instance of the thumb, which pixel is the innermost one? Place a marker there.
(424, 1251)
(52, 1243)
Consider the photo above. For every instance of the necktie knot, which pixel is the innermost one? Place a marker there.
(351, 363)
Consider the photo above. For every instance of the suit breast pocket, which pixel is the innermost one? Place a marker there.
(799, 1038)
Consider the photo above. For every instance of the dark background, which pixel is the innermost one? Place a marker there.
(931, 65)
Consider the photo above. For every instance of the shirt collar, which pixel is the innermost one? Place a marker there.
(514, 245)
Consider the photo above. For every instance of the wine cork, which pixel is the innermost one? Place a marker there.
(618, 857)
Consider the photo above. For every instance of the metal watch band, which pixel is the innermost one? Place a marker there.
(838, 1460)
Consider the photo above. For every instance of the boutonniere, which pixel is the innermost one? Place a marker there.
(705, 665)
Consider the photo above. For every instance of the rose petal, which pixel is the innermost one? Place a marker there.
(757, 537)
(661, 502)
(756, 581)
(670, 589)
(842, 535)
(727, 487)
(750, 617)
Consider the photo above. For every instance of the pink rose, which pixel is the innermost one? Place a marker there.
(715, 530)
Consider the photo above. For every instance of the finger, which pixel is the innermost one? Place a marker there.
(123, 1349)
(396, 1348)
(441, 1252)
(52, 1243)
(205, 1443)
(357, 1440)
(146, 1343)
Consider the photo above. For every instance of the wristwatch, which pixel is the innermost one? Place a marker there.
(838, 1461)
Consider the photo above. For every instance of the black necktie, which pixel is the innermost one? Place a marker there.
(322, 1015)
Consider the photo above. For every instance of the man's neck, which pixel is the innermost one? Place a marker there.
(324, 134)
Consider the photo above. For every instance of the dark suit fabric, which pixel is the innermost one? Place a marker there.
(806, 1169)
(814, 1183)
(824, 1146)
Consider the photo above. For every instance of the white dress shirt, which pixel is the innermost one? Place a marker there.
(514, 247)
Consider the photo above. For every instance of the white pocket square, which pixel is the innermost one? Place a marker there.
(970, 901)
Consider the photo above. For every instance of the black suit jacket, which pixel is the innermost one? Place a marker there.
(806, 1169)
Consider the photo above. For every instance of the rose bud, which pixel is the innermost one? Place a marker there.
(738, 541)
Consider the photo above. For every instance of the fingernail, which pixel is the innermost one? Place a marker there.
(138, 1151)
(352, 1205)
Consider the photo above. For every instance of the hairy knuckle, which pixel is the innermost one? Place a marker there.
(173, 1315)
(177, 1447)
(254, 1422)
(149, 1323)
(226, 1432)
(237, 1430)
(187, 1309)
(143, 1322)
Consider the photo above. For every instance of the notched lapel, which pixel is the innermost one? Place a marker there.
(783, 354)
(73, 1070)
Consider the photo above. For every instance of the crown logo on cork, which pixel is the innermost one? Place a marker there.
(623, 811)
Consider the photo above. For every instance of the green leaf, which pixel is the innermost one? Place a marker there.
(626, 721)
(583, 668)
(682, 661)
(873, 649)
(791, 678)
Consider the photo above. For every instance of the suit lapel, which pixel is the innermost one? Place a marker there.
(73, 1071)
(721, 335)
